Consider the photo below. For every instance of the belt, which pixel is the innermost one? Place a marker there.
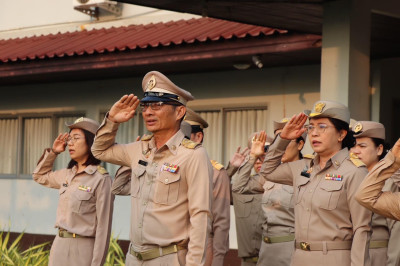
(379, 244)
(251, 259)
(278, 239)
(155, 252)
(65, 234)
(323, 245)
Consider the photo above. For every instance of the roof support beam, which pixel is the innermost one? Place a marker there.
(345, 61)
(386, 7)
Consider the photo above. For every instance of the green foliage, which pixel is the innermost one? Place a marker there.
(115, 255)
(10, 253)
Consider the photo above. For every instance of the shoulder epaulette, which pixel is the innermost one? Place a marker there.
(354, 159)
(309, 156)
(146, 137)
(216, 165)
(101, 170)
(190, 144)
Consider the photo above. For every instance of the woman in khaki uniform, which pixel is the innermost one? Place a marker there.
(331, 228)
(277, 205)
(84, 211)
(370, 149)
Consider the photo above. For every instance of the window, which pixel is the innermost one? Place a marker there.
(230, 128)
(24, 138)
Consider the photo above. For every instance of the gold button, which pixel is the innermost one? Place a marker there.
(173, 147)
(337, 163)
(166, 180)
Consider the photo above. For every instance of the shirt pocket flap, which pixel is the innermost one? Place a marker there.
(168, 178)
(301, 181)
(138, 171)
(268, 185)
(331, 185)
(245, 198)
(82, 195)
(288, 189)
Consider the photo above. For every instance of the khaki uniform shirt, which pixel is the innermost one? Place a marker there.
(370, 193)
(393, 253)
(220, 214)
(170, 190)
(248, 213)
(325, 210)
(86, 204)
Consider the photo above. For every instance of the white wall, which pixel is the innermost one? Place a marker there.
(21, 18)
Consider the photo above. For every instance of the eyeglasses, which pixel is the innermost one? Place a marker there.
(320, 128)
(73, 139)
(154, 105)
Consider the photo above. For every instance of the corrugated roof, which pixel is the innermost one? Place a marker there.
(128, 38)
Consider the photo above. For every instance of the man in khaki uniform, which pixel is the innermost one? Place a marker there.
(370, 194)
(218, 244)
(170, 185)
(330, 227)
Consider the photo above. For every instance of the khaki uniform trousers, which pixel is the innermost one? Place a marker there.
(71, 251)
(174, 259)
(277, 254)
(378, 256)
(246, 263)
(317, 258)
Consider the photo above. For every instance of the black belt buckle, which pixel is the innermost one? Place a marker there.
(305, 246)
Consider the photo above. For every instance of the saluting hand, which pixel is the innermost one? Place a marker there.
(295, 127)
(124, 109)
(238, 157)
(60, 143)
(396, 149)
(258, 144)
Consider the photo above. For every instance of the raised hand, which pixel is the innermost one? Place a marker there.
(258, 144)
(60, 143)
(124, 109)
(295, 127)
(396, 149)
(238, 157)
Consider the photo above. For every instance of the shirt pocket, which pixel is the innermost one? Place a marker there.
(301, 188)
(243, 205)
(137, 173)
(287, 196)
(268, 190)
(80, 202)
(167, 188)
(330, 194)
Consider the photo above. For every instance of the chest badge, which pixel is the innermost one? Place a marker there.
(85, 188)
(170, 167)
(333, 177)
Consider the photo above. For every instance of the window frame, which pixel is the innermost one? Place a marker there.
(20, 116)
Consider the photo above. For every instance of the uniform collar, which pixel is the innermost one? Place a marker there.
(172, 144)
(336, 160)
(91, 169)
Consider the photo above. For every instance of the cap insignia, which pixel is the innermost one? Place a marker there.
(151, 83)
(357, 127)
(80, 119)
(319, 107)
(284, 120)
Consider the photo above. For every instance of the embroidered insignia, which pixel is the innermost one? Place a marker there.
(216, 165)
(172, 168)
(101, 170)
(285, 120)
(78, 120)
(190, 144)
(85, 188)
(151, 83)
(319, 107)
(333, 177)
(309, 156)
(146, 137)
(357, 127)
